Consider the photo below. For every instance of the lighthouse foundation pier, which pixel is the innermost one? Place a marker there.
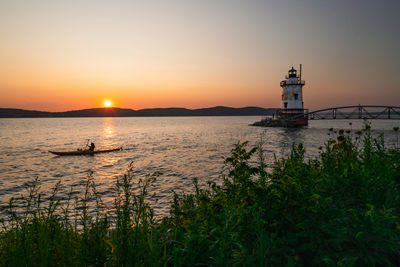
(285, 118)
(268, 122)
(278, 123)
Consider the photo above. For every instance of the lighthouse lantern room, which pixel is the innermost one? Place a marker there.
(292, 97)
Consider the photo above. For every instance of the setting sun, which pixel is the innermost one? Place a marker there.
(107, 103)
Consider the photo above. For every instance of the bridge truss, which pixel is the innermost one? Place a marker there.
(352, 113)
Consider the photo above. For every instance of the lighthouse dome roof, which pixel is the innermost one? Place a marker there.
(292, 73)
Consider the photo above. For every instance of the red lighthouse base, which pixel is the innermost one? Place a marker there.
(297, 114)
(303, 122)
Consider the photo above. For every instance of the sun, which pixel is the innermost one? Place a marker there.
(107, 103)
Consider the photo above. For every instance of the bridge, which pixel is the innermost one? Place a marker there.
(352, 113)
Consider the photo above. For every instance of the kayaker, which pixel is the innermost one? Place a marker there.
(91, 147)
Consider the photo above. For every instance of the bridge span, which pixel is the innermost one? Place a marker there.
(352, 113)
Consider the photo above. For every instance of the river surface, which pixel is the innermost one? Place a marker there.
(178, 148)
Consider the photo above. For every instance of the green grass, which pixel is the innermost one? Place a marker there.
(340, 209)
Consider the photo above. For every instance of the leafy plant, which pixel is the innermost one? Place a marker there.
(341, 209)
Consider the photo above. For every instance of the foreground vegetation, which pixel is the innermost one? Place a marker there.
(340, 209)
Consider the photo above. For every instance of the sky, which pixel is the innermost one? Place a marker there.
(68, 55)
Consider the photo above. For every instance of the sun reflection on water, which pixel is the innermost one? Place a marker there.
(108, 128)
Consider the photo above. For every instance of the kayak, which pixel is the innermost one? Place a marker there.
(84, 152)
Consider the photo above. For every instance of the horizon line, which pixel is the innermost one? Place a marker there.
(138, 109)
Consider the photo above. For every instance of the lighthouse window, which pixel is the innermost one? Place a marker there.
(296, 96)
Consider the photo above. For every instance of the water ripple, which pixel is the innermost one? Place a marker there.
(178, 149)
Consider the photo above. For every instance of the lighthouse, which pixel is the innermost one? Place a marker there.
(292, 112)
(292, 98)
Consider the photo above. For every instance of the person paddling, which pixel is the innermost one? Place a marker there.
(92, 146)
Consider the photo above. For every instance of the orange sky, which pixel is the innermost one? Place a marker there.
(142, 54)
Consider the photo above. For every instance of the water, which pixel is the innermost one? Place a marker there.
(178, 148)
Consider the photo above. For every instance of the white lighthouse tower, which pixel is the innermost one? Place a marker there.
(292, 97)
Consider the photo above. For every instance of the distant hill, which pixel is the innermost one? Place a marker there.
(154, 112)
(22, 113)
